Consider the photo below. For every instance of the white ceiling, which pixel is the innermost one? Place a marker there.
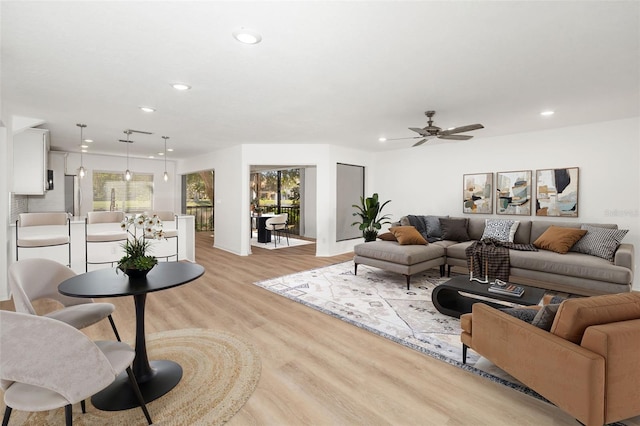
(337, 72)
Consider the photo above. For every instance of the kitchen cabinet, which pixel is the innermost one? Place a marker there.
(30, 162)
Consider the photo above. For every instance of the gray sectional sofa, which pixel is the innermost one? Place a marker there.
(573, 272)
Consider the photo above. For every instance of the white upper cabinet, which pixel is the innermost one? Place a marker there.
(30, 161)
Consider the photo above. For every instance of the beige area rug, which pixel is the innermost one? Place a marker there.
(282, 244)
(220, 372)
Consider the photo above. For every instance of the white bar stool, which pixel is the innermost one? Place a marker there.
(38, 230)
(103, 228)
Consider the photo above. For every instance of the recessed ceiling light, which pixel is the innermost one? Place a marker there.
(181, 86)
(170, 149)
(547, 113)
(247, 36)
(382, 139)
(84, 146)
(147, 109)
(84, 150)
(88, 140)
(151, 156)
(161, 153)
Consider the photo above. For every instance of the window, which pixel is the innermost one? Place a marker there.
(111, 192)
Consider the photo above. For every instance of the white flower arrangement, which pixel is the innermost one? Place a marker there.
(136, 247)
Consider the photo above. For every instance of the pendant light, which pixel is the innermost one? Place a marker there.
(81, 170)
(127, 173)
(166, 175)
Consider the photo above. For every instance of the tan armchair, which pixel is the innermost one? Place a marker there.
(587, 364)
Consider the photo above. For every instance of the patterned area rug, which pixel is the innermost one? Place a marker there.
(220, 372)
(378, 301)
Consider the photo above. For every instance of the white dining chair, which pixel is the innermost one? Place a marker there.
(46, 364)
(36, 279)
(278, 225)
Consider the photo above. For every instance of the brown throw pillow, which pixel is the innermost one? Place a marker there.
(559, 239)
(387, 236)
(454, 229)
(407, 235)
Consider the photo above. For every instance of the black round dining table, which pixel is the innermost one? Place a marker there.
(156, 377)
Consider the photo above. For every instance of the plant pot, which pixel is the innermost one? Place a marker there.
(370, 235)
(136, 274)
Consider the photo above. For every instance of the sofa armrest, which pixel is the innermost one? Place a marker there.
(619, 344)
(624, 256)
(566, 374)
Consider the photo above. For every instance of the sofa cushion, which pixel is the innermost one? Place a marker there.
(559, 239)
(391, 251)
(500, 229)
(601, 242)
(576, 315)
(526, 314)
(569, 264)
(432, 224)
(545, 316)
(454, 229)
(407, 235)
(387, 236)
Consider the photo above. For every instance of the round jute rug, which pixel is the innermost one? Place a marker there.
(220, 372)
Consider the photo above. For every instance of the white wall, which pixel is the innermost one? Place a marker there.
(232, 169)
(428, 179)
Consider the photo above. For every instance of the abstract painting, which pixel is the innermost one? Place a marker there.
(557, 193)
(477, 193)
(513, 193)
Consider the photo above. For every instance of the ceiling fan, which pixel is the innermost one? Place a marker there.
(434, 131)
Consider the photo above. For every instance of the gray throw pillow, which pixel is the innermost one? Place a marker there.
(524, 314)
(454, 229)
(434, 231)
(601, 242)
(545, 316)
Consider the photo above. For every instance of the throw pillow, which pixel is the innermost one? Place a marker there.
(500, 229)
(559, 239)
(407, 235)
(601, 242)
(387, 236)
(434, 231)
(545, 316)
(454, 229)
(524, 314)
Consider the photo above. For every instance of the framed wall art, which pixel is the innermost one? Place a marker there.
(513, 192)
(557, 192)
(477, 193)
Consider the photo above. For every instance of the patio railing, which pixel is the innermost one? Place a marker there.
(203, 217)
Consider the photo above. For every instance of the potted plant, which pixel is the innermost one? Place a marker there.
(136, 262)
(369, 211)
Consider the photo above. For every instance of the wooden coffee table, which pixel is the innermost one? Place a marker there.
(448, 298)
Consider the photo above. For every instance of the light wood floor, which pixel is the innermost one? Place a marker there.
(318, 370)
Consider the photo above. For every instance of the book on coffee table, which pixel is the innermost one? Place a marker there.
(507, 289)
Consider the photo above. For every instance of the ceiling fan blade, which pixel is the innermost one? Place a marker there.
(461, 129)
(420, 142)
(399, 139)
(455, 137)
(418, 130)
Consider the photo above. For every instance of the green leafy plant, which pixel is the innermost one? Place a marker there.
(370, 211)
(136, 247)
